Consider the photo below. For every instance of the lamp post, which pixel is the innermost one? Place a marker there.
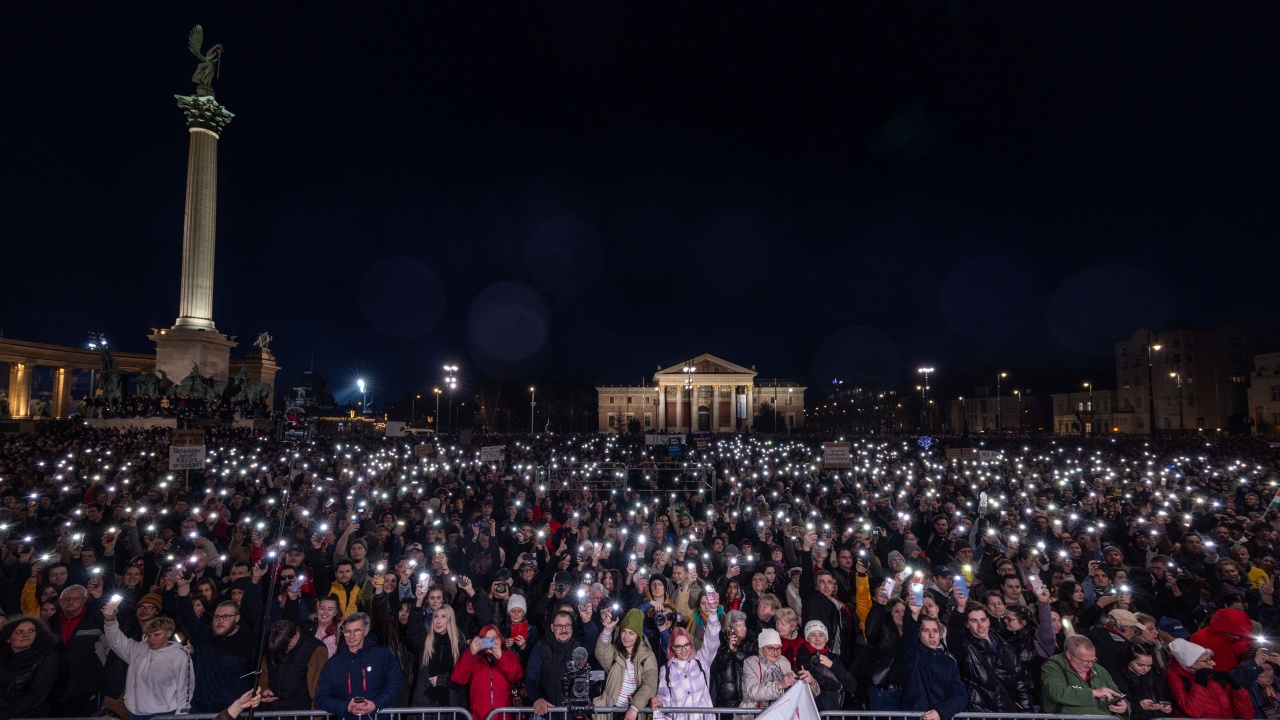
(533, 403)
(413, 410)
(1089, 386)
(1151, 388)
(1018, 408)
(451, 380)
(1178, 377)
(924, 395)
(437, 392)
(999, 377)
(364, 398)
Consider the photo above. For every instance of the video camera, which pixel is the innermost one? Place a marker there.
(662, 618)
(575, 687)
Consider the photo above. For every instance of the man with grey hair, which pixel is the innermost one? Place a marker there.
(78, 632)
(363, 677)
(1074, 684)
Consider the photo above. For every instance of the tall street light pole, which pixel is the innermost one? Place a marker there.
(1178, 377)
(999, 377)
(924, 397)
(364, 399)
(533, 404)
(1151, 388)
(1089, 387)
(437, 392)
(413, 410)
(451, 380)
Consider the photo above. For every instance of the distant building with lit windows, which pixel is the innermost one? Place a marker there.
(703, 394)
(1264, 393)
(1093, 408)
(1198, 379)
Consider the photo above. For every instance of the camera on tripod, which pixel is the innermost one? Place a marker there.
(576, 685)
(662, 618)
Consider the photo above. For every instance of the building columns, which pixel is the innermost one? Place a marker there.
(662, 408)
(679, 407)
(21, 375)
(61, 393)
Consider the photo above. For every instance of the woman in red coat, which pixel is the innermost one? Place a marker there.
(1200, 691)
(490, 673)
(1229, 636)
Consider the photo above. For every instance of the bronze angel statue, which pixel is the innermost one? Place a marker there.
(203, 78)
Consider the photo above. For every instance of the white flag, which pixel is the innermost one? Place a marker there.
(796, 704)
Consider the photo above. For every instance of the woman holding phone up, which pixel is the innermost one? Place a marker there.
(489, 670)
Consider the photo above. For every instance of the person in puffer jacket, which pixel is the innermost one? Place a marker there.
(1199, 689)
(363, 677)
(726, 669)
(490, 672)
(990, 667)
(1229, 636)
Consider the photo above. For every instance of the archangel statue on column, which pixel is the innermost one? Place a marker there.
(209, 62)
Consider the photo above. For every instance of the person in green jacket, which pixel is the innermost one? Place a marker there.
(1074, 684)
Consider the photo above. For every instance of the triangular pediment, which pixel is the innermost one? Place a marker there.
(706, 364)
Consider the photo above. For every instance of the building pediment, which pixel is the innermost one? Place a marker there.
(705, 364)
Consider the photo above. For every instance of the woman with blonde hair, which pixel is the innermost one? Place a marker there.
(787, 623)
(442, 645)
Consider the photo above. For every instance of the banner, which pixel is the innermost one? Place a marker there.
(673, 445)
(423, 450)
(795, 704)
(838, 455)
(662, 439)
(742, 406)
(186, 457)
(701, 440)
(395, 428)
(493, 453)
(188, 437)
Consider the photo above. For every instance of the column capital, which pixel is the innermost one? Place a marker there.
(204, 112)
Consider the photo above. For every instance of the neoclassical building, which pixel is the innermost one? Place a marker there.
(703, 394)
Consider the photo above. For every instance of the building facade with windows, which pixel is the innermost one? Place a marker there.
(1264, 393)
(1083, 412)
(1188, 379)
(703, 394)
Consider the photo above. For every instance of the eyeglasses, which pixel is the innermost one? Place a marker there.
(288, 577)
(682, 646)
(561, 626)
(1081, 660)
(232, 616)
(353, 631)
(74, 598)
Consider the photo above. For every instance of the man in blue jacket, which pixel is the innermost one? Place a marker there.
(362, 677)
(933, 684)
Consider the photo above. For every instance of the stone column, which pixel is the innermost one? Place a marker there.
(21, 375)
(751, 407)
(679, 406)
(715, 409)
(61, 393)
(662, 408)
(205, 120)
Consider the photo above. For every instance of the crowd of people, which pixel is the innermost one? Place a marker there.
(1085, 576)
(188, 411)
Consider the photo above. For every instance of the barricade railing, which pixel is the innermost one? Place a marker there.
(258, 713)
(556, 712)
(420, 713)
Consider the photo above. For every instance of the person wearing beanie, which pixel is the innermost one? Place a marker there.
(833, 678)
(685, 681)
(521, 634)
(1199, 689)
(631, 668)
(767, 676)
(1074, 683)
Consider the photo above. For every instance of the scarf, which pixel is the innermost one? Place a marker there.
(825, 649)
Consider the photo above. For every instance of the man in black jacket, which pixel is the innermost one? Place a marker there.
(818, 598)
(542, 680)
(77, 628)
(992, 672)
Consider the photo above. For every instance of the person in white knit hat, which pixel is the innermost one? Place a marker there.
(816, 656)
(1199, 690)
(767, 676)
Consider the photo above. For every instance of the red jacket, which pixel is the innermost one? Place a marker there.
(1229, 634)
(1214, 700)
(490, 685)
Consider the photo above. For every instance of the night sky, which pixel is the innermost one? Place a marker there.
(583, 193)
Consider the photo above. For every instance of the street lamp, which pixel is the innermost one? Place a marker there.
(451, 379)
(999, 376)
(1151, 388)
(924, 396)
(413, 410)
(437, 392)
(364, 398)
(1178, 377)
(533, 403)
(1089, 387)
(1018, 407)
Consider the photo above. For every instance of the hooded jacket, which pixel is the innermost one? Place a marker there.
(159, 682)
(489, 683)
(370, 672)
(1207, 694)
(1229, 634)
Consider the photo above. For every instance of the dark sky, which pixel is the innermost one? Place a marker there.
(822, 190)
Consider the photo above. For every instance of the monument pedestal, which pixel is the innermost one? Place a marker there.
(261, 367)
(178, 348)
